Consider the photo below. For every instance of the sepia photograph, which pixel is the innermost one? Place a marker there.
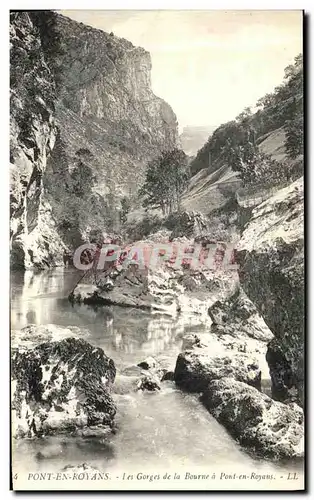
(157, 250)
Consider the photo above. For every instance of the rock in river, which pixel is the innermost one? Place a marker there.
(146, 376)
(268, 427)
(148, 363)
(195, 369)
(165, 288)
(61, 386)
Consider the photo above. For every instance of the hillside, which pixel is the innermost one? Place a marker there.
(269, 140)
(281, 109)
(209, 191)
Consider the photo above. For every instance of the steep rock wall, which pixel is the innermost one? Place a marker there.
(84, 124)
(33, 131)
(106, 107)
(271, 269)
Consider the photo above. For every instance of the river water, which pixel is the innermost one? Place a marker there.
(155, 430)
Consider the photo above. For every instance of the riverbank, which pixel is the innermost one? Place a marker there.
(166, 428)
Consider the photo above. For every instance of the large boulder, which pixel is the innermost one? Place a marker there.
(195, 369)
(238, 313)
(270, 255)
(60, 387)
(268, 427)
(162, 287)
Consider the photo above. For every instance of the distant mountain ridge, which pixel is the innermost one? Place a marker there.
(193, 137)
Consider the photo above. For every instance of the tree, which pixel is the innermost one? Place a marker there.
(245, 115)
(125, 208)
(82, 175)
(293, 69)
(243, 158)
(294, 137)
(166, 179)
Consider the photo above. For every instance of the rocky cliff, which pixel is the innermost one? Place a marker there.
(33, 133)
(271, 258)
(84, 124)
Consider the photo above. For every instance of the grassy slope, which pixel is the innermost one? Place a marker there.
(207, 192)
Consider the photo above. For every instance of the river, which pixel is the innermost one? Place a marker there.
(160, 430)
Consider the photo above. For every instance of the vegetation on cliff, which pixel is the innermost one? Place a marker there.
(236, 143)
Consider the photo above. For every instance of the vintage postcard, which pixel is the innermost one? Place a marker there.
(157, 250)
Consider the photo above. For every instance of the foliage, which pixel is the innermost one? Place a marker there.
(294, 136)
(150, 223)
(244, 158)
(69, 183)
(82, 174)
(51, 40)
(237, 139)
(125, 208)
(166, 179)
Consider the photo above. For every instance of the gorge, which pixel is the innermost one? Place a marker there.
(179, 366)
(84, 123)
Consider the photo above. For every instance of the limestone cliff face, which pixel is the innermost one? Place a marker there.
(33, 132)
(271, 258)
(85, 122)
(105, 92)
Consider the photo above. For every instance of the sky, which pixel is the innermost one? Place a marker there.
(208, 65)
